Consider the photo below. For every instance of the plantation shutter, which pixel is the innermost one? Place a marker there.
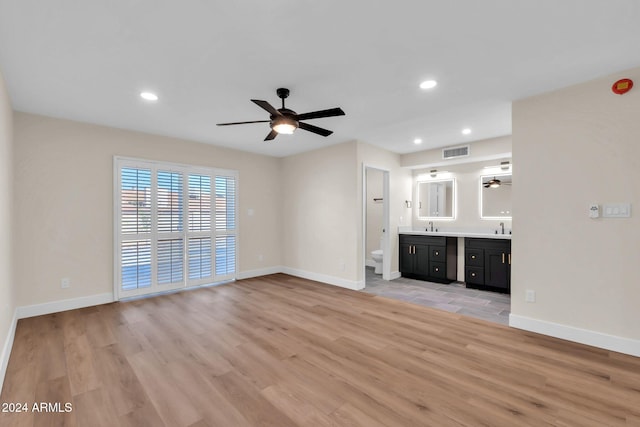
(175, 226)
(225, 215)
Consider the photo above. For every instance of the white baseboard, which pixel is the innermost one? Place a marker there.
(259, 272)
(355, 285)
(63, 305)
(369, 263)
(395, 275)
(6, 349)
(582, 336)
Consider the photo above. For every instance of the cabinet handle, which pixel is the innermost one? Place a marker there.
(437, 253)
(473, 257)
(503, 257)
(473, 274)
(437, 269)
(509, 259)
(414, 249)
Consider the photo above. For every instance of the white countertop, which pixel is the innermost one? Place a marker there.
(456, 234)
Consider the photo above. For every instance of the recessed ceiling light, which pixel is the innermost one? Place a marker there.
(428, 84)
(417, 141)
(149, 96)
(466, 131)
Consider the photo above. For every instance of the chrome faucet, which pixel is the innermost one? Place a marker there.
(502, 226)
(430, 225)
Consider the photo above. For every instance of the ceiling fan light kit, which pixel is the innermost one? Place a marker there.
(286, 121)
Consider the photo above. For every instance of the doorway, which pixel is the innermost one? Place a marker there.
(375, 221)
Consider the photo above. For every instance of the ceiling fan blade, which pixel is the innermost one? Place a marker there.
(271, 135)
(243, 123)
(266, 106)
(331, 112)
(314, 129)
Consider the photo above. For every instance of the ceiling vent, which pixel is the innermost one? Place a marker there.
(454, 152)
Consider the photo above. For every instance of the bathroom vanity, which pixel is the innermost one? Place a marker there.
(488, 264)
(432, 258)
(485, 259)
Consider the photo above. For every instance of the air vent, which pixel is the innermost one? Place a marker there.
(453, 152)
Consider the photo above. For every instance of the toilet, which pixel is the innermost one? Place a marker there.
(377, 258)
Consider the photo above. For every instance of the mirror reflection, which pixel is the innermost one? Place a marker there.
(436, 199)
(495, 196)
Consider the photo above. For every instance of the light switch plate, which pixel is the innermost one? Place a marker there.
(616, 210)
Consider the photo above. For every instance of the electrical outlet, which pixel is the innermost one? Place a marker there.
(530, 296)
(65, 282)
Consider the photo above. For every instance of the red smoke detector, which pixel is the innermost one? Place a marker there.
(622, 86)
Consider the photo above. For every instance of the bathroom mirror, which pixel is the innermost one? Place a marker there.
(436, 199)
(495, 196)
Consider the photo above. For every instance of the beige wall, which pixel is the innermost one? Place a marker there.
(7, 285)
(479, 151)
(320, 214)
(399, 189)
(467, 218)
(64, 199)
(583, 140)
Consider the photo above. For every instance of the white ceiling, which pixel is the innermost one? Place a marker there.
(88, 60)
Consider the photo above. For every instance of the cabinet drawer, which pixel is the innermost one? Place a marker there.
(474, 257)
(474, 275)
(438, 270)
(438, 253)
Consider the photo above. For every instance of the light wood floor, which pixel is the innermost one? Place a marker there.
(281, 351)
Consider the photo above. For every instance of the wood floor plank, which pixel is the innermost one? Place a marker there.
(284, 351)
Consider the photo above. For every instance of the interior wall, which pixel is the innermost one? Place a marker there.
(399, 192)
(63, 195)
(374, 212)
(7, 284)
(468, 188)
(319, 213)
(583, 142)
(486, 149)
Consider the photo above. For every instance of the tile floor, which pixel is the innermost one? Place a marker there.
(455, 297)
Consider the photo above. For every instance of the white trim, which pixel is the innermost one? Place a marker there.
(355, 285)
(6, 349)
(582, 336)
(395, 275)
(258, 272)
(63, 305)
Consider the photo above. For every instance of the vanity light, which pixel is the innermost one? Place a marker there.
(428, 84)
(466, 131)
(433, 173)
(149, 96)
(417, 141)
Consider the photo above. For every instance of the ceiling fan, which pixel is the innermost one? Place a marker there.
(494, 183)
(285, 121)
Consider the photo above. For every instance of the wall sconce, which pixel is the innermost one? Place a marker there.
(433, 173)
(408, 203)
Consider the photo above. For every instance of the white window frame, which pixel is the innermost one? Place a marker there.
(185, 170)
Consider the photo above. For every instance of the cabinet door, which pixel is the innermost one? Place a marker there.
(474, 275)
(438, 270)
(406, 258)
(496, 268)
(421, 265)
(438, 253)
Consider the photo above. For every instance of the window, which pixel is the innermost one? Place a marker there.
(176, 226)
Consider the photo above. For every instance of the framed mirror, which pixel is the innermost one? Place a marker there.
(436, 199)
(495, 196)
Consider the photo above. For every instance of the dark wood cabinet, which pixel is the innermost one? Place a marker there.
(488, 264)
(432, 258)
